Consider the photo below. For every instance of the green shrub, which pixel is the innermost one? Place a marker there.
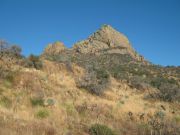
(95, 81)
(169, 88)
(7, 75)
(102, 73)
(138, 83)
(49, 102)
(120, 103)
(5, 102)
(33, 62)
(70, 108)
(159, 81)
(43, 113)
(15, 51)
(7, 84)
(177, 118)
(98, 129)
(160, 115)
(169, 92)
(37, 102)
(10, 77)
(1, 90)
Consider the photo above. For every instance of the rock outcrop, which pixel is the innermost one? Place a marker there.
(106, 40)
(54, 49)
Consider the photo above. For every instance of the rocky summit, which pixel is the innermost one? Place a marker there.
(108, 40)
(105, 40)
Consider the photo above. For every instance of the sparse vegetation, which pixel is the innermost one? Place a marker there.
(7, 74)
(160, 115)
(43, 113)
(5, 102)
(138, 83)
(122, 67)
(98, 129)
(33, 62)
(49, 102)
(37, 101)
(177, 118)
(169, 88)
(7, 50)
(70, 108)
(95, 81)
(7, 77)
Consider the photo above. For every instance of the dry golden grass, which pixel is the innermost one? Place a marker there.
(75, 109)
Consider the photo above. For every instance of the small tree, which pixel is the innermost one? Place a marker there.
(9, 50)
(34, 61)
(15, 50)
(3, 47)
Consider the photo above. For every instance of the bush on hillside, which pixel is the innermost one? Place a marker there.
(15, 51)
(33, 62)
(43, 113)
(169, 88)
(119, 72)
(98, 129)
(169, 92)
(5, 102)
(153, 127)
(37, 101)
(7, 75)
(138, 83)
(95, 81)
(159, 81)
(7, 50)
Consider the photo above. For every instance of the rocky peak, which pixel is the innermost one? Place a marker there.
(108, 40)
(110, 36)
(54, 48)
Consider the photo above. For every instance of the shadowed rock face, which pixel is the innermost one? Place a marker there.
(54, 49)
(108, 40)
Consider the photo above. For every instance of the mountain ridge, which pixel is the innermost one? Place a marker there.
(104, 39)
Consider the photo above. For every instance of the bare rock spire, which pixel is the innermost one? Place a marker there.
(108, 40)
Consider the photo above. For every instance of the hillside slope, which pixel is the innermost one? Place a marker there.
(101, 86)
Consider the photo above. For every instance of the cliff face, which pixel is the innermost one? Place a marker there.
(106, 40)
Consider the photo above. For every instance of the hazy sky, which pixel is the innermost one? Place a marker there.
(152, 26)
